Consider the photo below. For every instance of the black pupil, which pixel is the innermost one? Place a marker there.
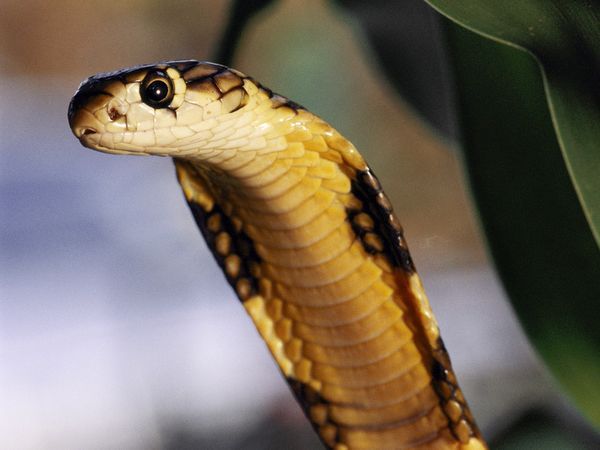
(157, 90)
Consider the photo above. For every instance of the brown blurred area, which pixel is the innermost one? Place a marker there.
(64, 37)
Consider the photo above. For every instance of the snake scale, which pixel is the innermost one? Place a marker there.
(307, 239)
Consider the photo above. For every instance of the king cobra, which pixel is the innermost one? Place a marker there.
(308, 240)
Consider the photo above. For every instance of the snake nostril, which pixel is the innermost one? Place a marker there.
(116, 108)
(88, 131)
(114, 113)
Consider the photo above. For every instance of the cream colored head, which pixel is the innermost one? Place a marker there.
(171, 109)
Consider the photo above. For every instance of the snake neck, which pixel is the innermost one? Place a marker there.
(308, 241)
(292, 191)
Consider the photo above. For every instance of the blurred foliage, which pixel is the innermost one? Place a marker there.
(564, 37)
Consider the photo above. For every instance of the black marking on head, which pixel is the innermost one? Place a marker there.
(207, 75)
(366, 187)
(218, 69)
(452, 401)
(218, 81)
(95, 84)
(209, 71)
(211, 224)
(183, 65)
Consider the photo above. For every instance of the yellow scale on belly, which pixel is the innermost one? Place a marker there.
(300, 237)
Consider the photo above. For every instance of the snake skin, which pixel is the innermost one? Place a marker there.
(309, 242)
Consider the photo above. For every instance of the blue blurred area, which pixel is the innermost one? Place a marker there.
(112, 312)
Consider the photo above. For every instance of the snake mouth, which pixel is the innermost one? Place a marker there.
(82, 131)
(84, 123)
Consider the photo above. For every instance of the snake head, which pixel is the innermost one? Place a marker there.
(169, 109)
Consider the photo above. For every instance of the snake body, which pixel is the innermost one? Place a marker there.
(307, 239)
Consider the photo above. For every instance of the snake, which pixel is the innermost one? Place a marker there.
(308, 240)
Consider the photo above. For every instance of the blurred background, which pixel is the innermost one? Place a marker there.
(117, 329)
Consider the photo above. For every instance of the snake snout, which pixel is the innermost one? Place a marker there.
(91, 97)
(84, 123)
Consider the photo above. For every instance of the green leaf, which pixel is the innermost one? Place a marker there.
(564, 36)
(537, 429)
(535, 227)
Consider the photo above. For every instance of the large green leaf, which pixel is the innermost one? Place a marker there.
(535, 226)
(536, 229)
(564, 36)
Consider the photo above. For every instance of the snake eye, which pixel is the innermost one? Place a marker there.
(157, 90)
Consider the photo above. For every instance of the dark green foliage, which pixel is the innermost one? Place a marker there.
(535, 227)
